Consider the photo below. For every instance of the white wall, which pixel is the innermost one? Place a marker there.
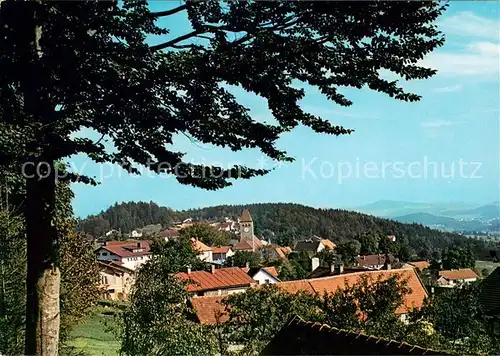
(206, 256)
(261, 277)
(134, 262)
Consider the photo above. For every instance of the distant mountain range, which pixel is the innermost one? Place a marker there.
(455, 216)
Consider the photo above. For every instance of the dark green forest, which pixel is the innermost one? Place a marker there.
(285, 223)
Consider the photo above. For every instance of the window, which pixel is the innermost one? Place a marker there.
(267, 281)
(104, 254)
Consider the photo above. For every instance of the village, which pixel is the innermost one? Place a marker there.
(119, 261)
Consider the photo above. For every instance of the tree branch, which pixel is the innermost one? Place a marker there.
(204, 29)
(170, 12)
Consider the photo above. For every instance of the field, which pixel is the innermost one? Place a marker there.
(490, 266)
(92, 336)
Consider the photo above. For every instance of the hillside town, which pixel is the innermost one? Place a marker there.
(119, 261)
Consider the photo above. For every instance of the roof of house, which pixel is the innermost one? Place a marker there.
(199, 246)
(169, 233)
(421, 265)
(457, 274)
(326, 271)
(489, 296)
(370, 260)
(221, 249)
(221, 278)
(414, 299)
(299, 337)
(210, 310)
(127, 248)
(245, 216)
(247, 244)
(254, 270)
(115, 266)
(328, 244)
(286, 250)
(307, 246)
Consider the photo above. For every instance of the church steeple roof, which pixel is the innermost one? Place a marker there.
(245, 216)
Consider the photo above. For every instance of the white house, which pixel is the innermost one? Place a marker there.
(205, 253)
(220, 254)
(116, 280)
(129, 254)
(456, 277)
(136, 233)
(265, 275)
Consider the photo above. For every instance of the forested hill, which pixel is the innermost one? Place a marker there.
(285, 221)
(297, 221)
(125, 217)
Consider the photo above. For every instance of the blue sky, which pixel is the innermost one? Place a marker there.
(443, 148)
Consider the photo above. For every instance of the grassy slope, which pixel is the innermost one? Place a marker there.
(93, 338)
(486, 264)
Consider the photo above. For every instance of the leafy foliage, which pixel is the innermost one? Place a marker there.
(12, 292)
(349, 249)
(80, 280)
(456, 257)
(207, 234)
(258, 313)
(457, 317)
(242, 258)
(157, 321)
(175, 256)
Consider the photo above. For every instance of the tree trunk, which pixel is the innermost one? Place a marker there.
(43, 277)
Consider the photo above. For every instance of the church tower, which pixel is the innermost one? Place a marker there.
(246, 226)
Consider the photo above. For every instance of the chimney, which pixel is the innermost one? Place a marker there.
(247, 265)
(189, 270)
(341, 268)
(212, 269)
(332, 268)
(314, 263)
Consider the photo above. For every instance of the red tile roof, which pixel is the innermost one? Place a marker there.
(127, 248)
(222, 278)
(206, 307)
(421, 265)
(414, 299)
(224, 225)
(221, 249)
(210, 310)
(328, 244)
(245, 245)
(457, 274)
(370, 260)
(286, 250)
(296, 286)
(272, 271)
(169, 233)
